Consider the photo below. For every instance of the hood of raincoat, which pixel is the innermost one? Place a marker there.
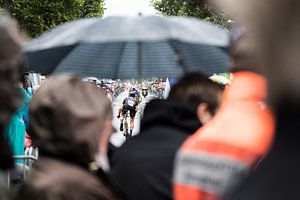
(170, 113)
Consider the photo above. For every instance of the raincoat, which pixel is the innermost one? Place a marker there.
(218, 156)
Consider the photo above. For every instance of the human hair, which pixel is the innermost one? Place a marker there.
(194, 88)
(11, 72)
(72, 113)
(241, 50)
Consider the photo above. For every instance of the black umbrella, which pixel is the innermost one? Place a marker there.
(128, 47)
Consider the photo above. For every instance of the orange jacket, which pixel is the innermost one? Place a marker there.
(214, 159)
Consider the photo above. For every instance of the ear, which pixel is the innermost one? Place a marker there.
(203, 113)
(107, 130)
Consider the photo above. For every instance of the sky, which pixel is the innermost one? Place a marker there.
(128, 8)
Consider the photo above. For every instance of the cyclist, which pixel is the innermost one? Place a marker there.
(144, 91)
(137, 94)
(130, 104)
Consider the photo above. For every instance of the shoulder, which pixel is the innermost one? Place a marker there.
(56, 179)
(127, 151)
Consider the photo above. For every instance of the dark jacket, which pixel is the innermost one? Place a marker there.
(143, 166)
(277, 177)
(59, 180)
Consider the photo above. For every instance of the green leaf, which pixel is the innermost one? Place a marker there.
(189, 8)
(38, 16)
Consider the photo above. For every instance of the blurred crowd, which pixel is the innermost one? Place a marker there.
(205, 140)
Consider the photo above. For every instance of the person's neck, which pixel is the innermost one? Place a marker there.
(102, 161)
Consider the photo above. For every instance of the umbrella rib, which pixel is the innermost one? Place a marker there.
(120, 60)
(88, 64)
(179, 58)
(140, 59)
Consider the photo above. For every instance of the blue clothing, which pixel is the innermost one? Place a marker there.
(26, 113)
(15, 130)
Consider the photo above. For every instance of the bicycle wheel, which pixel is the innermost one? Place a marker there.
(127, 136)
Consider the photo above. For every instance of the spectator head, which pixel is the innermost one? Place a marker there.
(242, 54)
(10, 73)
(273, 37)
(199, 93)
(277, 29)
(70, 120)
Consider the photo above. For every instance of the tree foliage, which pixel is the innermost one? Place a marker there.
(194, 8)
(37, 16)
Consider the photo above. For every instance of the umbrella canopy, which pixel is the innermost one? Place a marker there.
(130, 47)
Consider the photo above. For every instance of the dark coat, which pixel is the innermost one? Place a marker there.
(4, 193)
(58, 180)
(143, 166)
(277, 177)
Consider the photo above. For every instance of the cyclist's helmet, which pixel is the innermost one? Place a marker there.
(132, 94)
(144, 88)
(133, 89)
